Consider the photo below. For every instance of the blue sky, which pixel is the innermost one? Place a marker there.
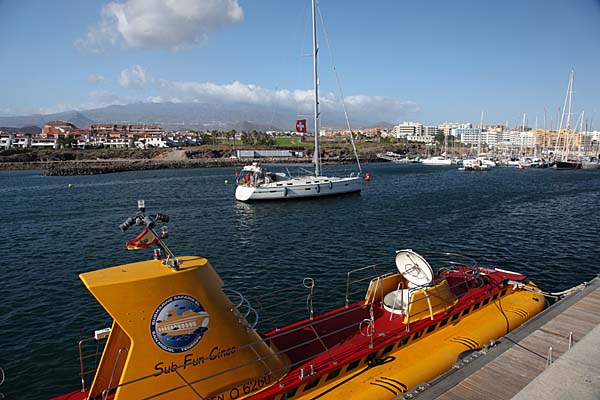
(429, 61)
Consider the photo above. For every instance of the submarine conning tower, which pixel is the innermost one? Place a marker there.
(177, 335)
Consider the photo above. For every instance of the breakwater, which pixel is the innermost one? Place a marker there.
(96, 167)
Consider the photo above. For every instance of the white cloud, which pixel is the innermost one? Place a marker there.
(153, 90)
(389, 109)
(135, 77)
(360, 107)
(103, 98)
(93, 78)
(170, 24)
(97, 99)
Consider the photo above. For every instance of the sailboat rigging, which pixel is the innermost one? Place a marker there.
(256, 183)
(564, 162)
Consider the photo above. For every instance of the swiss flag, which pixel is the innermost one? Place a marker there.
(301, 125)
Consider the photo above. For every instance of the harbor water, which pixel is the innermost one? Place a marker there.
(540, 222)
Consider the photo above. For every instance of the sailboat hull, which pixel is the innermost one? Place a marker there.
(564, 165)
(436, 161)
(297, 188)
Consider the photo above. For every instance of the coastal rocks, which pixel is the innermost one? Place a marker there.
(104, 161)
(107, 167)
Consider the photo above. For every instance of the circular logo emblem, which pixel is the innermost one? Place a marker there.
(178, 323)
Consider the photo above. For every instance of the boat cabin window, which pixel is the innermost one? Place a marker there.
(455, 317)
(431, 328)
(387, 349)
(333, 374)
(503, 292)
(290, 393)
(444, 322)
(353, 365)
(311, 384)
(486, 301)
(403, 342)
(467, 310)
(418, 334)
(372, 356)
(494, 297)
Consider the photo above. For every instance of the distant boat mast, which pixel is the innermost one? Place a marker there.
(568, 100)
(479, 136)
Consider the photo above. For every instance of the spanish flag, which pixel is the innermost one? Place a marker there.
(141, 241)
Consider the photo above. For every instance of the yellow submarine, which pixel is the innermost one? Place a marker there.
(177, 334)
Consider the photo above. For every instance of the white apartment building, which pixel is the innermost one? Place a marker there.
(151, 141)
(6, 140)
(12, 140)
(594, 136)
(427, 135)
(430, 130)
(407, 129)
(490, 138)
(414, 132)
(467, 135)
(447, 127)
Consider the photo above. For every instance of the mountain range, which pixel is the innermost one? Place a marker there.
(182, 116)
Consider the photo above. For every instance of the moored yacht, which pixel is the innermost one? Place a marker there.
(256, 183)
(261, 187)
(436, 160)
(567, 165)
(477, 164)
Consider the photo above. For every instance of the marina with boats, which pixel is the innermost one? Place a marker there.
(386, 268)
(502, 225)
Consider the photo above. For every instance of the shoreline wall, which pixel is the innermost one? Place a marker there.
(95, 167)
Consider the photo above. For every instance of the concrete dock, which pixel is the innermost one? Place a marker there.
(555, 355)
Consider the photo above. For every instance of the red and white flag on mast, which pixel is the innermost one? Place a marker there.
(141, 241)
(301, 125)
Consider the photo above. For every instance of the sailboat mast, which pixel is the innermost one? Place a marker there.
(479, 136)
(316, 86)
(568, 127)
(562, 117)
(522, 135)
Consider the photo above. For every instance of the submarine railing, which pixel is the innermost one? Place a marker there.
(243, 308)
(314, 367)
(82, 358)
(349, 282)
(291, 296)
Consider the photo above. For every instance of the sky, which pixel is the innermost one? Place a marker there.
(395, 60)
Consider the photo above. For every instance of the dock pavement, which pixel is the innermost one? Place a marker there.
(555, 355)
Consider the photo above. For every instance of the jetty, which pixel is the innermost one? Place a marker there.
(553, 356)
(96, 167)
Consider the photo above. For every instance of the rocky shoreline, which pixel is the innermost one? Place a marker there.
(95, 167)
(67, 162)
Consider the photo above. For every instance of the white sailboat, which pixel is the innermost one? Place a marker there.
(439, 160)
(257, 183)
(481, 162)
(436, 160)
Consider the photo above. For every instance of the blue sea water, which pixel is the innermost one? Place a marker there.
(543, 223)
